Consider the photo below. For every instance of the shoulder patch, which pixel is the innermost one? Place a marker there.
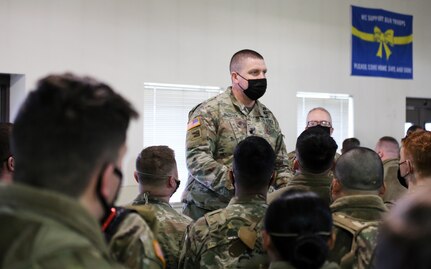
(194, 123)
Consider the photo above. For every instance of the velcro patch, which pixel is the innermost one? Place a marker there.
(194, 123)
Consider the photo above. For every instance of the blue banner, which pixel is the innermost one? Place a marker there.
(382, 43)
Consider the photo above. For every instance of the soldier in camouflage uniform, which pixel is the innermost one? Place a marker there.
(217, 125)
(157, 175)
(231, 237)
(316, 150)
(317, 116)
(356, 191)
(68, 142)
(389, 151)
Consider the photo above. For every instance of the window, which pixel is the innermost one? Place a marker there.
(166, 108)
(339, 105)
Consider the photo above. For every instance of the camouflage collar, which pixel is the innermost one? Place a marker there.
(256, 111)
(351, 202)
(252, 199)
(145, 198)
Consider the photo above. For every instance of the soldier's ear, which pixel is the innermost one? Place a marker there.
(295, 165)
(231, 178)
(135, 175)
(266, 240)
(331, 240)
(382, 190)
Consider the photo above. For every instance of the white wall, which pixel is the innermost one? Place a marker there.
(306, 44)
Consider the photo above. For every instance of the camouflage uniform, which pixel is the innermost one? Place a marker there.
(45, 229)
(320, 184)
(287, 265)
(364, 208)
(227, 238)
(171, 226)
(215, 128)
(135, 245)
(394, 189)
(291, 156)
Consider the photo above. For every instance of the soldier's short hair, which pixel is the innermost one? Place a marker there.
(238, 57)
(253, 163)
(389, 145)
(315, 150)
(297, 222)
(154, 164)
(417, 147)
(350, 143)
(66, 129)
(360, 169)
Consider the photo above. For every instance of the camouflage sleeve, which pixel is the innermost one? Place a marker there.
(201, 149)
(283, 172)
(189, 257)
(135, 246)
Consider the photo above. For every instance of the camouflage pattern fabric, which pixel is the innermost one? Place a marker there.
(44, 229)
(364, 241)
(227, 238)
(171, 226)
(320, 184)
(394, 190)
(135, 245)
(215, 128)
(361, 208)
(287, 265)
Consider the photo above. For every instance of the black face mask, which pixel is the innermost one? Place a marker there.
(401, 179)
(256, 88)
(107, 206)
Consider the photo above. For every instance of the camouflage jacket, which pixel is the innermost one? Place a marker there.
(287, 265)
(215, 127)
(45, 229)
(394, 189)
(171, 227)
(360, 207)
(227, 238)
(135, 246)
(320, 184)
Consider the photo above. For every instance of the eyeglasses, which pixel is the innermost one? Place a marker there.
(399, 164)
(322, 123)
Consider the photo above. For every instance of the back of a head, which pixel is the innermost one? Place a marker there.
(5, 151)
(253, 163)
(66, 128)
(299, 224)
(237, 59)
(413, 129)
(417, 148)
(405, 236)
(359, 169)
(315, 150)
(389, 146)
(154, 164)
(350, 143)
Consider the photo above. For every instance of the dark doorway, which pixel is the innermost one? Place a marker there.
(4, 97)
(418, 111)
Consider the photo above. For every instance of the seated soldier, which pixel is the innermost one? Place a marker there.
(315, 151)
(231, 237)
(356, 191)
(350, 143)
(301, 238)
(157, 175)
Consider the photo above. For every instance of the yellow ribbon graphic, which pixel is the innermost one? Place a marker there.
(385, 39)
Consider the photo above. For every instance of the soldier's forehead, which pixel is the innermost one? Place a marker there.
(318, 115)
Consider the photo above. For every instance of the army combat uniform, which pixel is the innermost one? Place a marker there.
(227, 238)
(45, 229)
(394, 189)
(320, 184)
(363, 208)
(134, 244)
(286, 265)
(171, 226)
(215, 128)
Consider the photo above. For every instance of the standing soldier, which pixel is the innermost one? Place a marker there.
(217, 125)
